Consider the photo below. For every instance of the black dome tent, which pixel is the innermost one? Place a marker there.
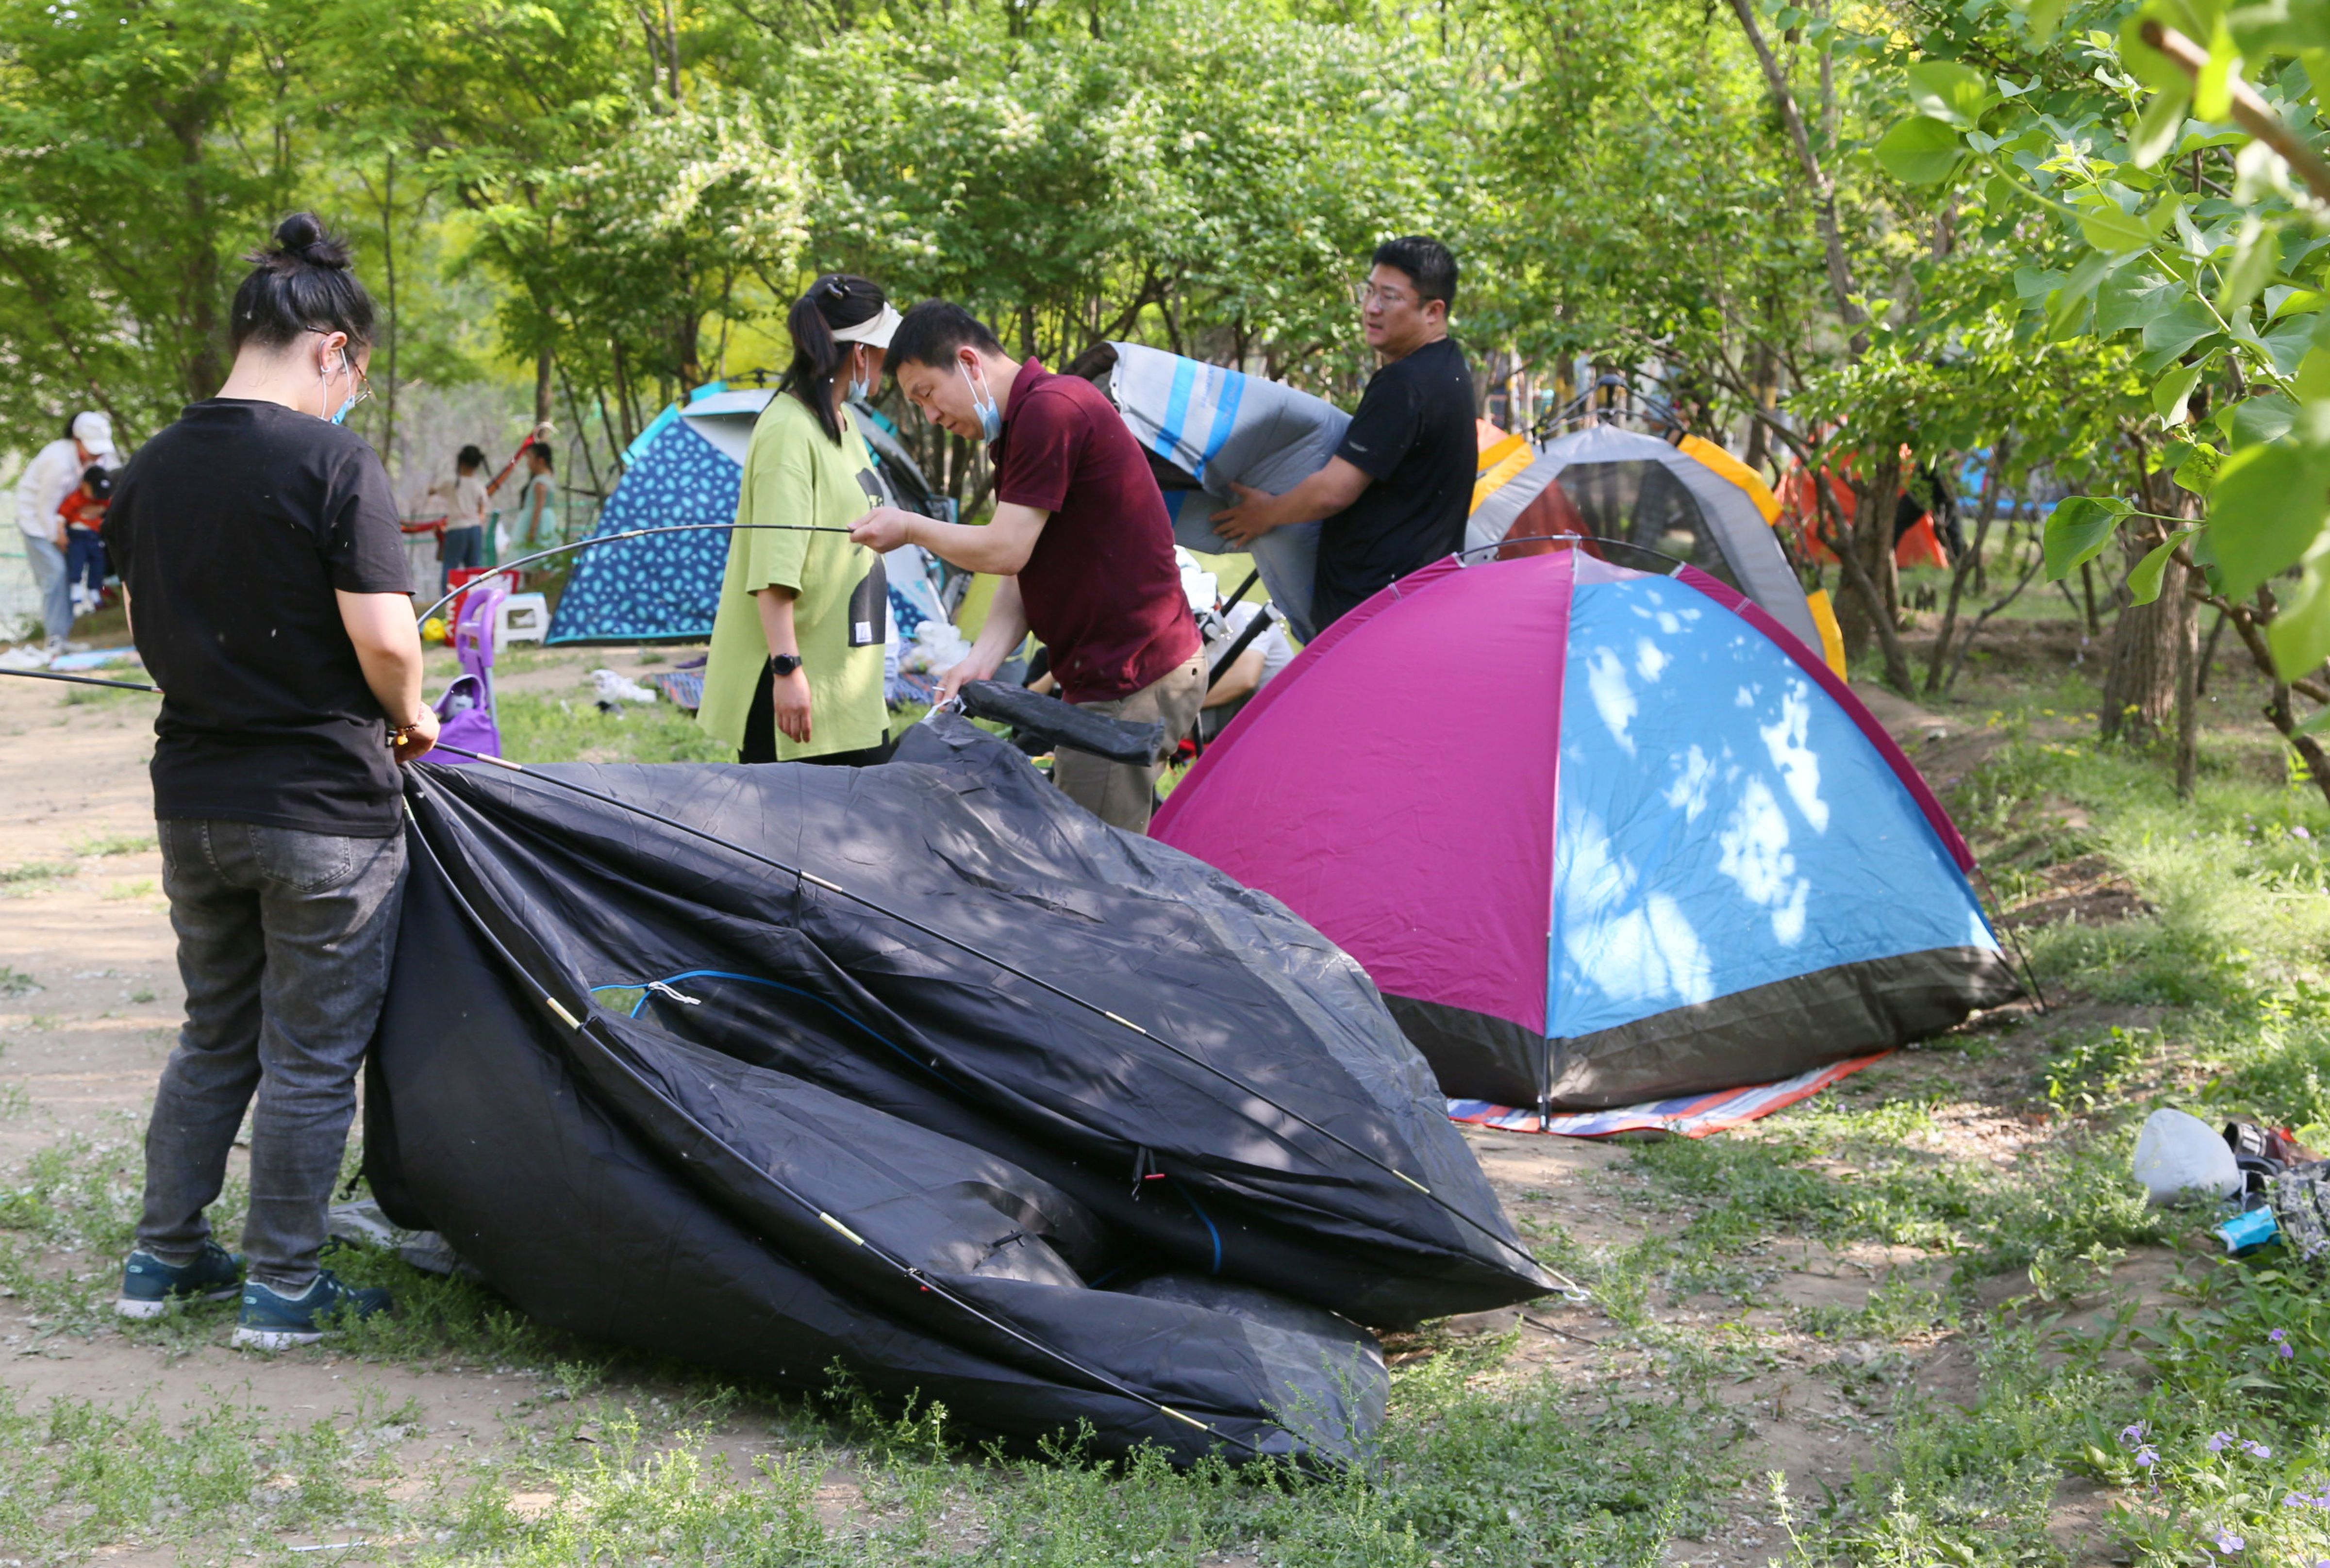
(922, 1069)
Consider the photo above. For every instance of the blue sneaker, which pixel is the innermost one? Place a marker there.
(274, 1322)
(149, 1287)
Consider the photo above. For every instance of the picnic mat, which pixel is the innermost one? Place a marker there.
(1689, 1116)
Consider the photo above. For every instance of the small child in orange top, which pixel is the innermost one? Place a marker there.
(80, 517)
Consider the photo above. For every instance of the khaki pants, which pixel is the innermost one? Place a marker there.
(1120, 793)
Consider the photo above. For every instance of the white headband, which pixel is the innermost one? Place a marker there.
(875, 331)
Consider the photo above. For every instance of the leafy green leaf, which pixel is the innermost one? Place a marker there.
(2280, 301)
(2078, 529)
(2106, 228)
(2299, 632)
(2042, 18)
(2132, 296)
(2266, 511)
(2178, 328)
(2259, 420)
(1950, 92)
(2212, 93)
(1919, 151)
(2256, 256)
(2157, 132)
(2173, 392)
(2143, 579)
(2196, 471)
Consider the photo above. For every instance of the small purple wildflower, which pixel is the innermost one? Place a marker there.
(2147, 1455)
(2229, 1541)
(2136, 1432)
(2282, 1344)
(2256, 1449)
(2219, 1441)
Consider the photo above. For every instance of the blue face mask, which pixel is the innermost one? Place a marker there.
(861, 387)
(340, 417)
(982, 403)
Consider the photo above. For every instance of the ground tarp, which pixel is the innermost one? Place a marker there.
(983, 1099)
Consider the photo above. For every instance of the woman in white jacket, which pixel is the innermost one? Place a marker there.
(52, 475)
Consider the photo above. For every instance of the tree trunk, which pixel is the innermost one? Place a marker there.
(2152, 653)
(1871, 543)
(2188, 700)
(204, 366)
(542, 384)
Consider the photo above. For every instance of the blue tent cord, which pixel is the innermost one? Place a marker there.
(1190, 1199)
(848, 1018)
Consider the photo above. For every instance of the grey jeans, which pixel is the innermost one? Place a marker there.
(47, 564)
(284, 943)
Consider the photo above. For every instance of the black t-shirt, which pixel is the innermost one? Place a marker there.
(231, 529)
(1413, 437)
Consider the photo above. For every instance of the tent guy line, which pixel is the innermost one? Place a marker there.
(509, 567)
(1569, 1287)
(588, 1026)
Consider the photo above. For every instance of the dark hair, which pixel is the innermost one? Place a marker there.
(836, 299)
(539, 453)
(470, 458)
(96, 481)
(301, 284)
(1427, 262)
(933, 330)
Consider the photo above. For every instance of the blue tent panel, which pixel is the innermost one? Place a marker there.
(664, 588)
(1723, 823)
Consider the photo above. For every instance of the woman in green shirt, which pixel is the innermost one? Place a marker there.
(795, 670)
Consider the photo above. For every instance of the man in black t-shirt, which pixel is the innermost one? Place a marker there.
(1396, 492)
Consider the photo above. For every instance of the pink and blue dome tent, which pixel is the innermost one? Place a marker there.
(1598, 835)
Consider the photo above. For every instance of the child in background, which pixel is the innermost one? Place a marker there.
(80, 517)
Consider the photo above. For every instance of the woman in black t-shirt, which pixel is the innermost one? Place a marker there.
(258, 547)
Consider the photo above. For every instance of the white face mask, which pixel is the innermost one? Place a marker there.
(861, 385)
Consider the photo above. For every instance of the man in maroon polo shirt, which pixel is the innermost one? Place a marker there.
(1080, 538)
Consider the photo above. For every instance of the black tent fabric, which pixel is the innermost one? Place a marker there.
(927, 1072)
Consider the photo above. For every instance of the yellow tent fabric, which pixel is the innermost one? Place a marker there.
(1500, 461)
(1733, 470)
(1832, 634)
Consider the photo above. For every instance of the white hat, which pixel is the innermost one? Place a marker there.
(876, 330)
(95, 431)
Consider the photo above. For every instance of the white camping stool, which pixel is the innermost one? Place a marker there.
(522, 617)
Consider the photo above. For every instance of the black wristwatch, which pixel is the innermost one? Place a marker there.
(784, 664)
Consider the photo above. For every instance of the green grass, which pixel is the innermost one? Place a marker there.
(542, 729)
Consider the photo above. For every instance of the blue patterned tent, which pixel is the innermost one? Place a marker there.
(665, 588)
(687, 467)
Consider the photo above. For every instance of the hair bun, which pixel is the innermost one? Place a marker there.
(302, 236)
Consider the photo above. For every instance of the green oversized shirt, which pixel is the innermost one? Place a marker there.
(794, 474)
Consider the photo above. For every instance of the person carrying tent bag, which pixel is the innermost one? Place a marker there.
(1396, 494)
(794, 674)
(1080, 537)
(264, 573)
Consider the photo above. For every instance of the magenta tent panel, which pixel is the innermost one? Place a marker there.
(1352, 791)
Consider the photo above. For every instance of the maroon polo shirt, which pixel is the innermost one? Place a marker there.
(1101, 587)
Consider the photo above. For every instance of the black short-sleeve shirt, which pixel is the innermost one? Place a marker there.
(232, 530)
(1414, 438)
